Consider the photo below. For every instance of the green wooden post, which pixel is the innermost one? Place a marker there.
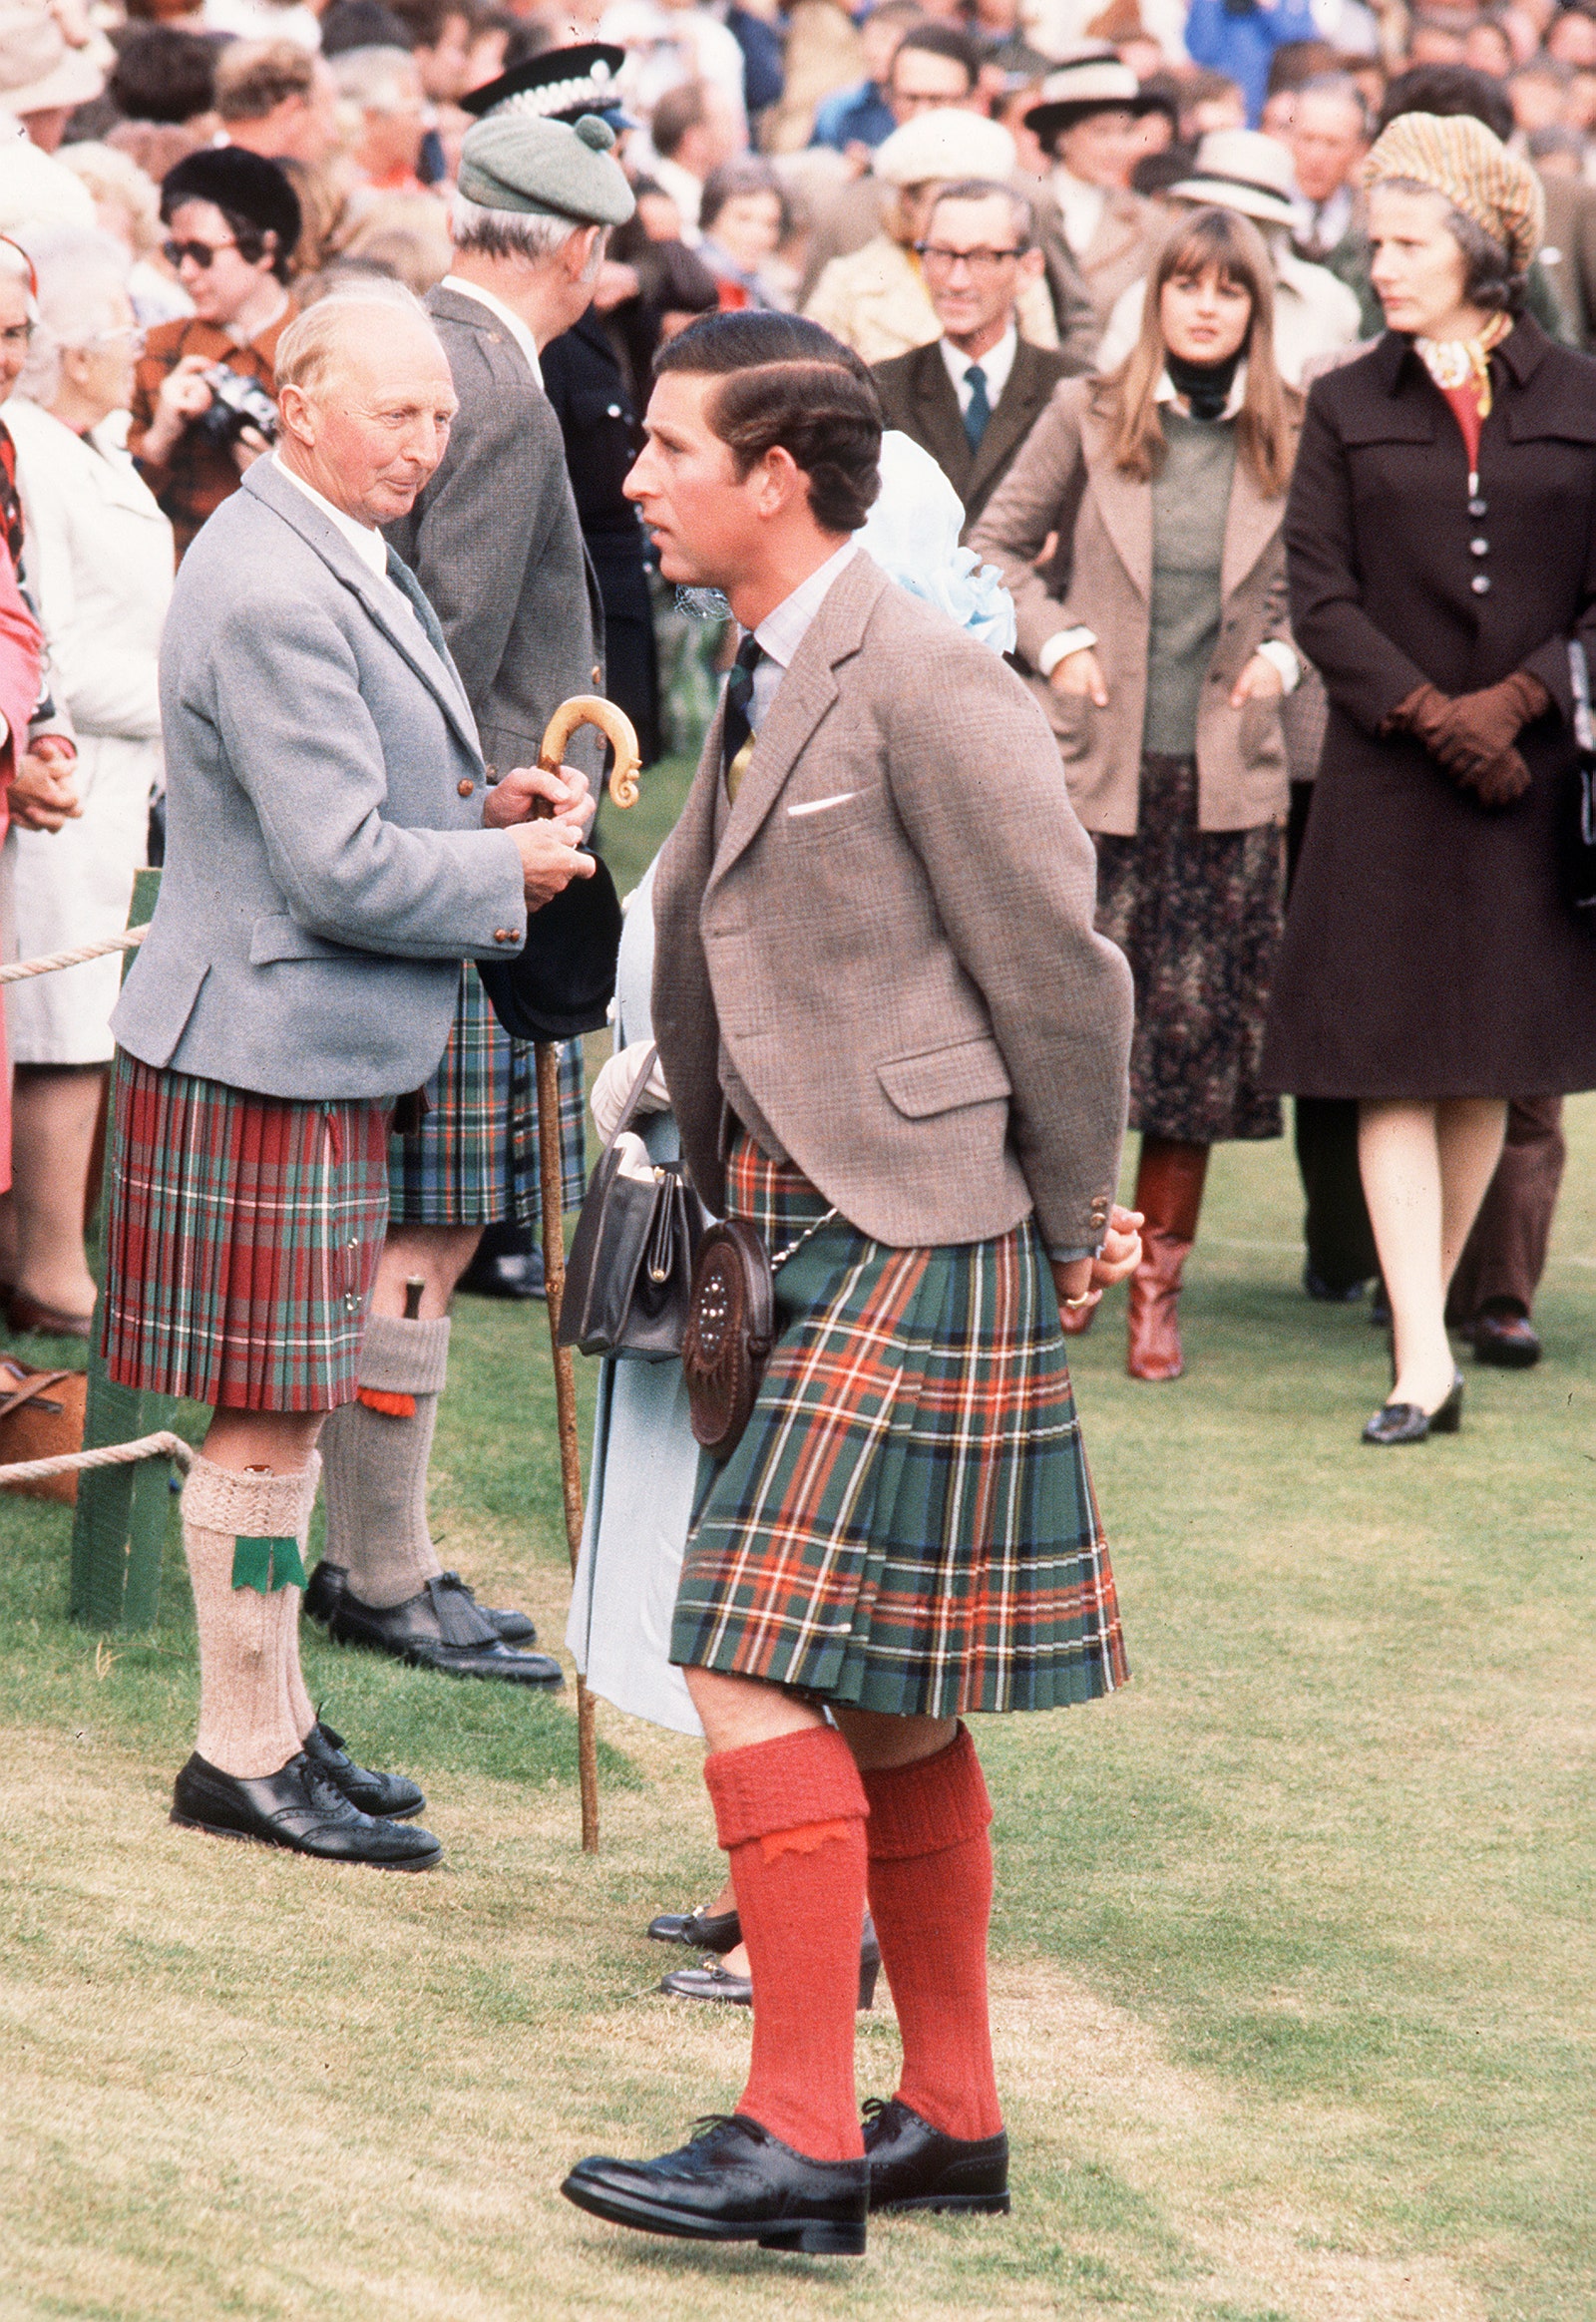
(120, 1529)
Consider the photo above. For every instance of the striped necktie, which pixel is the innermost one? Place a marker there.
(738, 736)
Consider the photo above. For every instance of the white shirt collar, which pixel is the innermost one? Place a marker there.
(781, 632)
(1080, 206)
(367, 542)
(996, 363)
(507, 315)
(1165, 392)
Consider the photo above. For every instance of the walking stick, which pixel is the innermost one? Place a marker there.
(582, 709)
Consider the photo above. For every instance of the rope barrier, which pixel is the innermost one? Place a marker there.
(21, 968)
(163, 1446)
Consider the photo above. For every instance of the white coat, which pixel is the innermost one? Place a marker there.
(98, 564)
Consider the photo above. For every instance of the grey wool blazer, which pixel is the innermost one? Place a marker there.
(496, 543)
(895, 941)
(326, 866)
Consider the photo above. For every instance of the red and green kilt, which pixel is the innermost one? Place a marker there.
(244, 1241)
(474, 1159)
(908, 1524)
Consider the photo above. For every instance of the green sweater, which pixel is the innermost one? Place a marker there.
(1191, 505)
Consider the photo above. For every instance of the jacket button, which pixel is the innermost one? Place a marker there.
(1477, 507)
(1481, 584)
(490, 773)
(465, 786)
(612, 410)
(503, 934)
(1480, 548)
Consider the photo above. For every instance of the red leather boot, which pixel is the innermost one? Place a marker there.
(1169, 1194)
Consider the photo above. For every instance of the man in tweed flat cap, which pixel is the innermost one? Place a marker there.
(897, 1048)
(494, 542)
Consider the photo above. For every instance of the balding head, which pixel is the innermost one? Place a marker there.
(365, 401)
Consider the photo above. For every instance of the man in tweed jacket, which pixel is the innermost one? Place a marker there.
(493, 540)
(896, 1046)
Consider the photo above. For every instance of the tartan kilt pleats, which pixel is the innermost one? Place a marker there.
(474, 1160)
(242, 1241)
(908, 1524)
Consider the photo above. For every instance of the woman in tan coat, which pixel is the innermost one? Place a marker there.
(1158, 640)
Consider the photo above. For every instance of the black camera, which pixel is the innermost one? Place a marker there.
(237, 402)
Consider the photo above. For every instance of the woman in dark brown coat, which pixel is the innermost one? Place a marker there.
(1442, 547)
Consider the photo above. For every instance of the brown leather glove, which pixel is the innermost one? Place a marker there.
(1472, 736)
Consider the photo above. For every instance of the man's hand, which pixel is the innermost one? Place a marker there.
(43, 795)
(528, 794)
(1081, 673)
(551, 858)
(250, 446)
(183, 396)
(1083, 1281)
(1258, 682)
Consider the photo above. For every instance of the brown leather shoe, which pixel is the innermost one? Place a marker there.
(1153, 1350)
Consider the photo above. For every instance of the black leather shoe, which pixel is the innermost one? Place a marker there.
(915, 2166)
(1509, 1341)
(1396, 1422)
(508, 1263)
(716, 1982)
(699, 1930)
(444, 1628)
(733, 2182)
(328, 1583)
(301, 1808)
(389, 1796)
(1331, 1293)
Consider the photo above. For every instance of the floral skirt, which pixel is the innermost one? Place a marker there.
(1199, 914)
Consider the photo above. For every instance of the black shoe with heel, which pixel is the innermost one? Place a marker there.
(733, 2182)
(737, 1991)
(916, 2166)
(719, 1931)
(1396, 1422)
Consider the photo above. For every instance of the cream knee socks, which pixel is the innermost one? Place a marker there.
(254, 1710)
(376, 1462)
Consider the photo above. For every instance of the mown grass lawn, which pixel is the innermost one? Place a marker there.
(1293, 1967)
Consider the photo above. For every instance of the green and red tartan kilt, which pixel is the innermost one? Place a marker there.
(908, 1524)
(244, 1241)
(474, 1160)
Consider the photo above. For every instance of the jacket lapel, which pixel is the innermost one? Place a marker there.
(802, 700)
(1026, 390)
(381, 601)
(937, 417)
(1250, 526)
(1126, 507)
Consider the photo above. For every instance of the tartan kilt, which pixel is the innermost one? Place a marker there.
(474, 1160)
(908, 1524)
(242, 1241)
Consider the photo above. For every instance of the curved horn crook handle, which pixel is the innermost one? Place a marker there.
(590, 709)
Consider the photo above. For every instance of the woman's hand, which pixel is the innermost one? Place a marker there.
(1258, 682)
(616, 1082)
(1082, 1281)
(43, 795)
(183, 396)
(1082, 674)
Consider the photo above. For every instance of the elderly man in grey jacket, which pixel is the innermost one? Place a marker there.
(333, 853)
(494, 539)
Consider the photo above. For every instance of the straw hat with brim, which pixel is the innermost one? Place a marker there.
(560, 84)
(1098, 83)
(1241, 169)
(38, 72)
(946, 144)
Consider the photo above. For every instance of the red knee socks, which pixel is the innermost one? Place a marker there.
(791, 1816)
(930, 1899)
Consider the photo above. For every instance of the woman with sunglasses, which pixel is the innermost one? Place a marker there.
(233, 220)
(98, 564)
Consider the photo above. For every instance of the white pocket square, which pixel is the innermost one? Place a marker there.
(818, 805)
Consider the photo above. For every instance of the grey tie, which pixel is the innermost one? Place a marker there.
(404, 580)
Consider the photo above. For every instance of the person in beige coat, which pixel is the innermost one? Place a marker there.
(1160, 644)
(1087, 120)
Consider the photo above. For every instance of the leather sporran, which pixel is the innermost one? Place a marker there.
(731, 1328)
(629, 1277)
(41, 1418)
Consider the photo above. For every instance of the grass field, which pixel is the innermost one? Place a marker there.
(1292, 1955)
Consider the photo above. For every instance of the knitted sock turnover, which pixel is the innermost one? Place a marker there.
(790, 1814)
(376, 1462)
(930, 1899)
(247, 1642)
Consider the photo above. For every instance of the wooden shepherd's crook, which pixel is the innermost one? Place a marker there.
(582, 709)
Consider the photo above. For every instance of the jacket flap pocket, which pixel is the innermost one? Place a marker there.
(1397, 423)
(942, 1079)
(277, 937)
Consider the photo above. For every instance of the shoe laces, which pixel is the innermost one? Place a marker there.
(707, 2123)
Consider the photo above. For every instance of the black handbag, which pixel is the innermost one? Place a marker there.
(629, 1277)
(562, 981)
(1579, 807)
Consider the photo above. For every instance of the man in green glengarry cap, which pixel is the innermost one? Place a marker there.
(495, 542)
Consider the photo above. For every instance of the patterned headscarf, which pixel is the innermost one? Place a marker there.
(1457, 156)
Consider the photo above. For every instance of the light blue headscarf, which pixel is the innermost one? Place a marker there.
(913, 535)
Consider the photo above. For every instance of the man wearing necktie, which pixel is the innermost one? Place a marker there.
(972, 397)
(333, 853)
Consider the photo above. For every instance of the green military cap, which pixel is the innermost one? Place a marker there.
(545, 169)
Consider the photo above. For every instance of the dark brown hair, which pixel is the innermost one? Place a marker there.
(1266, 422)
(786, 381)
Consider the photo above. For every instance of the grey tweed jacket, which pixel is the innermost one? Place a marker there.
(495, 542)
(894, 941)
(327, 866)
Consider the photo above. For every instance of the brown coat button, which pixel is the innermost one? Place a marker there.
(505, 935)
(465, 786)
(492, 773)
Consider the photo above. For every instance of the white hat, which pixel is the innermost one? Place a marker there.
(1241, 169)
(944, 143)
(37, 71)
(33, 186)
(1088, 79)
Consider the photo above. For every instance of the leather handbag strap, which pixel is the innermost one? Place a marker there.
(36, 1386)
